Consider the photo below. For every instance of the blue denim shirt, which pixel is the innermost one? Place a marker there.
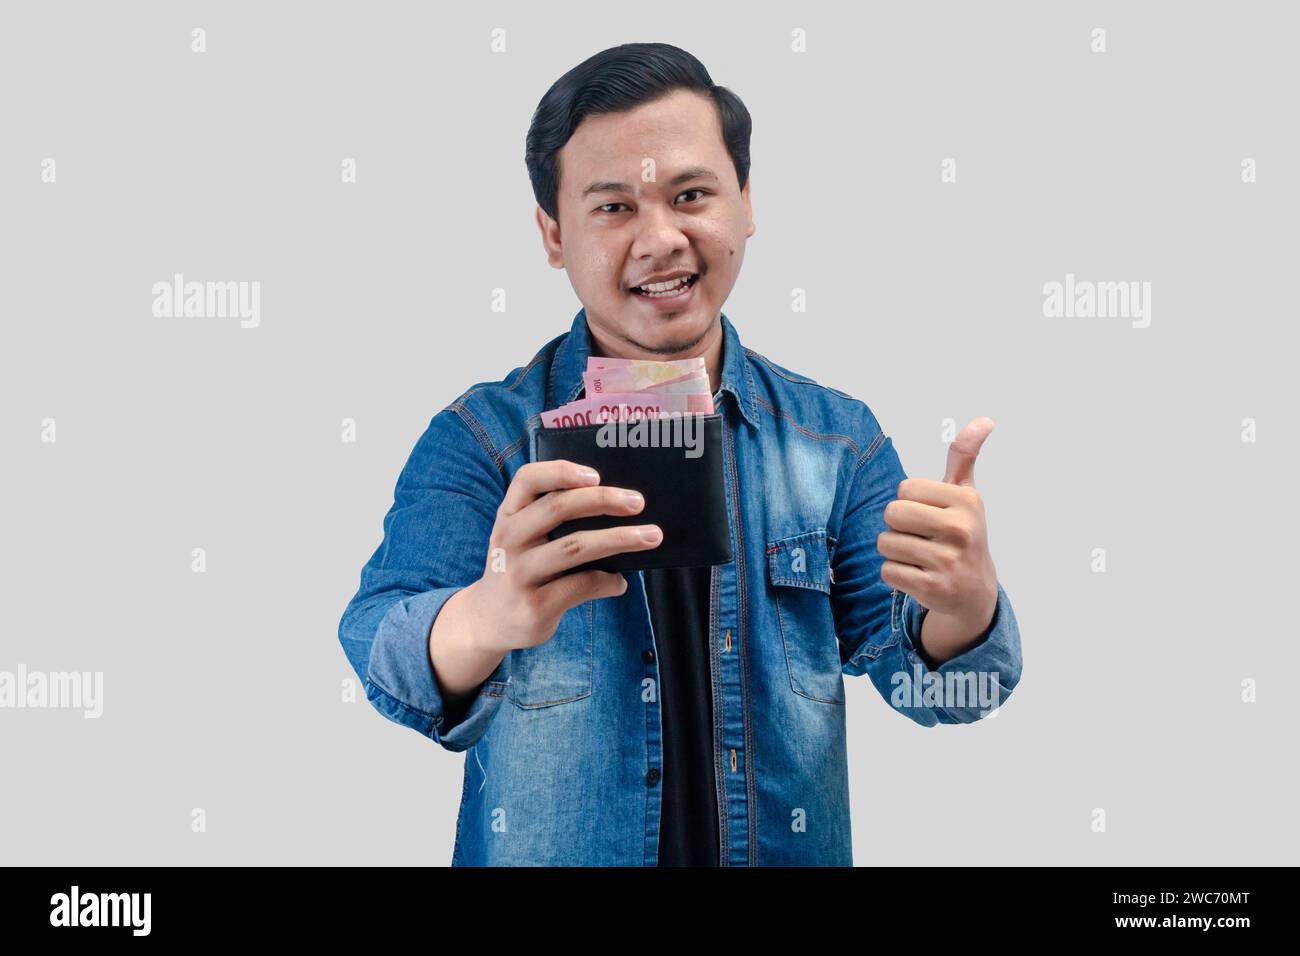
(564, 741)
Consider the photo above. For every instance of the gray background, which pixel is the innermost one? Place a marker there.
(222, 690)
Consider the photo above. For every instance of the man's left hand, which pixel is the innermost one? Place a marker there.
(938, 551)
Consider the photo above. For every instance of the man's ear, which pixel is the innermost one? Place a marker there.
(550, 238)
(749, 210)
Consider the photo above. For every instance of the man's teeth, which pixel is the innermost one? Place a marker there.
(664, 288)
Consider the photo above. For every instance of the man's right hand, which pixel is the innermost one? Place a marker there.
(525, 590)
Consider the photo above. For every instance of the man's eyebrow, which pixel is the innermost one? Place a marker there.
(686, 175)
(693, 172)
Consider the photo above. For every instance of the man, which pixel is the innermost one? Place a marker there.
(685, 716)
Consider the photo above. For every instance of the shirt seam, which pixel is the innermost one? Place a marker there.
(476, 427)
(818, 436)
(871, 451)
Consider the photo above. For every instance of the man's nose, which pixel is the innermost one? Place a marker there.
(659, 233)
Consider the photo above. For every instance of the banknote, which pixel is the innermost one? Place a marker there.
(627, 406)
(683, 365)
(626, 389)
(612, 381)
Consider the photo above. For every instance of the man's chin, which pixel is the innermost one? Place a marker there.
(669, 334)
(655, 336)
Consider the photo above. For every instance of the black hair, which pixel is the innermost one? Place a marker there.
(615, 81)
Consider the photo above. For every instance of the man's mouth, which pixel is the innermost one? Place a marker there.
(667, 290)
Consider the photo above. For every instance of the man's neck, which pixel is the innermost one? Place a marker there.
(709, 348)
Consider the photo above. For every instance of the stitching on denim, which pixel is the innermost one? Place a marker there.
(742, 627)
(719, 778)
(753, 392)
(788, 376)
(818, 436)
(551, 371)
(562, 344)
(774, 575)
(872, 651)
(775, 578)
(471, 420)
(460, 813)
(797, 379)
(514, 446)
(546, 703)
(475, 426)
(434, 722)
(523, 373)
(871, 450)
(807, 584)
(785, 644)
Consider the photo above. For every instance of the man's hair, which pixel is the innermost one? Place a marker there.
(615, 81)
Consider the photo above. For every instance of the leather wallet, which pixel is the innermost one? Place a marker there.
(684, 495)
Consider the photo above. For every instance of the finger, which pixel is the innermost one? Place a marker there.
(539, 477)
(570, 590)
(907, 578)
(909, 549)
(963, 451)
(556, 507)
(913, 517)
(541, 564)
(939, 494)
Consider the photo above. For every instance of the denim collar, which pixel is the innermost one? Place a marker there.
(570, 362)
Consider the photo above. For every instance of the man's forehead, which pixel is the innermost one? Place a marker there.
(615, 147)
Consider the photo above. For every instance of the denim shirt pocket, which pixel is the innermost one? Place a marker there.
(559, 670)
(799, 582)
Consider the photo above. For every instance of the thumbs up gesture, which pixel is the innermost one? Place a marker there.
(937, 549)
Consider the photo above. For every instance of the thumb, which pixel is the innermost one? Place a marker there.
(963, 450)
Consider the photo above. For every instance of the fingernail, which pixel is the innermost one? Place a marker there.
(633, 499)
(589, 474)
(650, 533)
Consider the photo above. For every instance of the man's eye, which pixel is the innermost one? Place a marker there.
(606, 207)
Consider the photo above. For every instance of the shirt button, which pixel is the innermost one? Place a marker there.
(649, 656)
(652, 776)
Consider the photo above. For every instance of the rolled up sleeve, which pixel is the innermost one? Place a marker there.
(435, 543)
(995, 663)
(401, 683)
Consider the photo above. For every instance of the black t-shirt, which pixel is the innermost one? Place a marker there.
(679, 611)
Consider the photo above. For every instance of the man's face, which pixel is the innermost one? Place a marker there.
(617, 231)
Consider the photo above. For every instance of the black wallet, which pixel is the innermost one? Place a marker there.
(684, 495)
